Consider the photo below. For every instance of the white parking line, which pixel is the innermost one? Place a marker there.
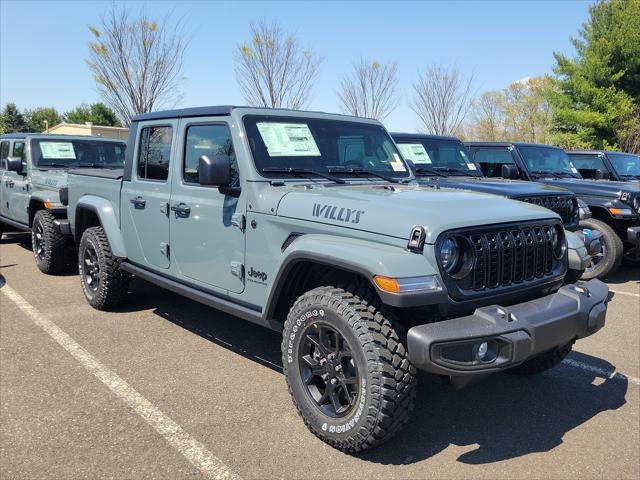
(617, 292)
(201, 458)
(601, 371)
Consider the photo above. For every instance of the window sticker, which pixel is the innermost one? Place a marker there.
(471, 166)
(57, 150)
(414, 152)
(573, 167)
(288, 139)
(397, 164)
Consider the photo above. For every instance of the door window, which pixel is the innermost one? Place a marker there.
(491, 161)
(4, 150)
(209, 140)
(154, 153)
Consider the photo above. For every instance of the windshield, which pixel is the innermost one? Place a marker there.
(63, 153)
(310, 145)
(589, 164)
(548, 160)
(626, 164)
(437, 154)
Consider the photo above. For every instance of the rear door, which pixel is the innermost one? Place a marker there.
(207, 227)
(145, 197)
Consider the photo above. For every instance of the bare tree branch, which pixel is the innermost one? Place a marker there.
(273, 71)
(442, 99)
(370, 90)
(136, 63)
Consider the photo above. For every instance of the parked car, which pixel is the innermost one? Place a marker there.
(33, 168)
(311, 224)
(615, 206)
(445, 161)
(606, 165)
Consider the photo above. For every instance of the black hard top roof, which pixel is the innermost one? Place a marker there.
(507, 144)
(212, 111)
(20, 135)
(404, 135)
(595, 152)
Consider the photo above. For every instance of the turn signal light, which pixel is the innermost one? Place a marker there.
(387, 284)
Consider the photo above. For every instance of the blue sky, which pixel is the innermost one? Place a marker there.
(43, 44)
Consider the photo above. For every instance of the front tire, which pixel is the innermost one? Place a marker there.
(543, 362)
(347, 368)
(104, 283)
(48, 245)
(609, 259)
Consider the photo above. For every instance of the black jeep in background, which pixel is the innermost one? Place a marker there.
(606, 165)
(615, 206)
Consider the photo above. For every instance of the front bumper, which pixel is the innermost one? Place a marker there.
(512, 334)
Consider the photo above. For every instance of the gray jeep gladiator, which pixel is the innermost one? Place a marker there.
(311, 224)
(444, 161)
(33, 169)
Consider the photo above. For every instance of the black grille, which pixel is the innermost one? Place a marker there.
(506, 256)
(565, 206)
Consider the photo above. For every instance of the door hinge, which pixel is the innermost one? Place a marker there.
(238, 220)
(164, 249)
(237, 270)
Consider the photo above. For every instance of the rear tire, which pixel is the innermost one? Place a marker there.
(613, 249)
(103, 282)
(347, 368)
(542, 362)
(48, 245)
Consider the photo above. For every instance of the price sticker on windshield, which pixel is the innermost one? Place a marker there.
(288, 139)
(57, 150)
(414, 152)
(397, 164)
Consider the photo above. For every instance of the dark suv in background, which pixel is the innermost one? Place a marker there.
(615, 206)
(606, 165)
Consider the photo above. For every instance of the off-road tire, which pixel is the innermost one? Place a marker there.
(543, 362)
(113, 281)
(613, 245)
(56, 255)
(387, 380)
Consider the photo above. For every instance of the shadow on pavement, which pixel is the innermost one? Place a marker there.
(623, 275)
(501, 418)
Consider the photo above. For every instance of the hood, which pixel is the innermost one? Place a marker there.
(48, 179)
(393, 211)
(602, 188)
(497, 186)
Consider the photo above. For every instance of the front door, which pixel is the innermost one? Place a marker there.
(145, 196)
(4, 195)
(207, 237)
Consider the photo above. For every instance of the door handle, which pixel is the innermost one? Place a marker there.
(181, 209)
(138, 202)
(9, 183)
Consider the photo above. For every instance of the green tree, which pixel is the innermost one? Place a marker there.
(39, 119)
(11, 120)
(97, 113)
(596, 102)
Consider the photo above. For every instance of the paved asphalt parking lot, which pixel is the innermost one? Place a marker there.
(167, 388)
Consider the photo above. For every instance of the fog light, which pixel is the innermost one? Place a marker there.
(485, 352)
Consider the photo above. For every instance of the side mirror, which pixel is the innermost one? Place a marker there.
(14, 164)
(510, 171)
(214, 170)
(598, 174)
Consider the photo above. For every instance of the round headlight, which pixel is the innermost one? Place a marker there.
(558, 241)
(449, 254)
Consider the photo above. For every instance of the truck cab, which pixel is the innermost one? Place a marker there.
(615, 206)
(33, 169)
(606, 165)
(312, 224)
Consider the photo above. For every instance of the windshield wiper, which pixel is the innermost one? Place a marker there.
(54, 165)
(540, 173)
(362, 171)
(303, 171)
(454, 170)
(430, 171)
(629, 175)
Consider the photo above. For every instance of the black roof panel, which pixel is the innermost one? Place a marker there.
(212, 111)
(401, 136)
